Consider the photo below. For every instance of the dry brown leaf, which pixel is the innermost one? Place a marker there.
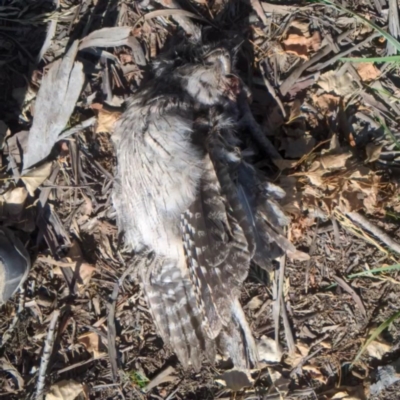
(326, 101)
(334, 161)
(342, 85)
(65, 390)
(297, 45)
(367, 71)
(236, 379)
(295, 111)
(315, 178)
(105, 118)
(300, 26)
(91, 341)
(299, 147)
(377, 349)
(373, 151)
(285, 164)
(303, 349)
(33, 178)
(315, 372)
(83, 270)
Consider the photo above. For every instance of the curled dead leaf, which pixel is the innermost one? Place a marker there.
(326, 102)
(33, 178)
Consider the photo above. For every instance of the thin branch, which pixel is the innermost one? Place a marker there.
(48, 348)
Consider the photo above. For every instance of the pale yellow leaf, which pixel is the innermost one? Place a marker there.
(106, 121)
(367, 71)
(344, 396)
(65, 390)
(91, 342)
(255, 302)
(33, 178)
(377, 349)
(14, 200)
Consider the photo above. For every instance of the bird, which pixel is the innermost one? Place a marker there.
(193, 208)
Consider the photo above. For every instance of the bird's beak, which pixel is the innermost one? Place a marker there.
(222, 57)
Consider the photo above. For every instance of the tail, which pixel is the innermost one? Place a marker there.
(181, 322)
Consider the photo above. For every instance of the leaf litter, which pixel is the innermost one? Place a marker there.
(337, 135)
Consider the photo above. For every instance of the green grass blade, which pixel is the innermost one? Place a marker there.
(388, 268)
(395, 267)
(385, 34)
(371, 59)
(374, 335)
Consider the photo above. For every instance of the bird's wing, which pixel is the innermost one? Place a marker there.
(173, 304)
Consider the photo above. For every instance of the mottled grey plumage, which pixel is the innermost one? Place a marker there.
(191, 207)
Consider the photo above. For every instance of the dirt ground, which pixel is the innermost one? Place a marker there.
(335, 124)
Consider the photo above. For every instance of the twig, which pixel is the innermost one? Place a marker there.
(48, 348)
(394, 25)
(259, 10)
(112, 333)
(77, 128)
(256, 132)
(163, 376)
(272, 92)
(7, 334)
(296, 73)
(357, 299)
(288, 330)
(184, 22)
(336, 57)
(282, 309)
(276, 304)
(385, 238)
(79, 364)
(311, 252)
